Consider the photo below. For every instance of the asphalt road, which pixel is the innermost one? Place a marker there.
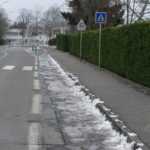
(27, 118)
(15, 98)
(3, 53)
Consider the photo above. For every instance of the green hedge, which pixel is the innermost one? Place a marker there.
(125, 50)
(62, 42)
(1, 42)
(52, 41)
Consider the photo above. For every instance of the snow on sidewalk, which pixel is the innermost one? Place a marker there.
(83, 126)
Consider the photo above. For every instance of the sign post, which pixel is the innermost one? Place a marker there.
(100, 17)
(81, 27)
(99, 56)
(81, 45)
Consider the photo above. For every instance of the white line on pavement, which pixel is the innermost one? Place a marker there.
(35, 58)
(34, 137)
(8, 67)
(36, 84)
(27, 68)
(36, 74)
(36, 104)
(36, 63)
(35, 67)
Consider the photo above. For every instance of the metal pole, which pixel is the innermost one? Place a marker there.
(80, 45)
(99, 58)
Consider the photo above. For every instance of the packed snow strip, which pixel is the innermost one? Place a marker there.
(82, 123)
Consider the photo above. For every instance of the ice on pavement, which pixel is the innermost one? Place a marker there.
(132, 134)
(84, 127)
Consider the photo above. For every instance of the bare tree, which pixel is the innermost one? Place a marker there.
(51, 18)
(36, 20)
(24, 19)
(144, 6)
(86, 9)
(3, 22)
(137, 10)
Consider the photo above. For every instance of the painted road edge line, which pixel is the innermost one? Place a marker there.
(35, 68)
(34, 138)
(36, 74)
(36, 84)
(36, 63)
(36, 104)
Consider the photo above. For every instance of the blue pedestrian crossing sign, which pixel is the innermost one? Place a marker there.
(100, 17)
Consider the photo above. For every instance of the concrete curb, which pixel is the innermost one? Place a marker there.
(117, 124)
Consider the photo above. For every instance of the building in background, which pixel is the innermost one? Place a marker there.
(14, 37)
(38, 38)
(61, 29)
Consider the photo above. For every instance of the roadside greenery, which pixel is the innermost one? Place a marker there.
(86, 9)
(62, 42)
(125, 50)
(1, 42)
(52, 41)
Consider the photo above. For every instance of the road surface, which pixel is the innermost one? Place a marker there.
(41, 108)
(21, 102)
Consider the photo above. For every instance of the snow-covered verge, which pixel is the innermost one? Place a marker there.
(84, 127)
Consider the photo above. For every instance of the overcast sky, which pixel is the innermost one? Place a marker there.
(12, 7)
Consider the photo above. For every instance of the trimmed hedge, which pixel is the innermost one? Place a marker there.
(62, 42)
(125, 50)
(1, 42)
(52, 41)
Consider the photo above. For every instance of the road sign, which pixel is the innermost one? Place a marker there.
(100, 17)
(81, 26)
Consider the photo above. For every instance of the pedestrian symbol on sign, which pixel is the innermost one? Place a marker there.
(100, 17)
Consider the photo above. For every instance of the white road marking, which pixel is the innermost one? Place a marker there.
(27, 68)
(35, 67)
(36, 59)
(36, 84)
(36, 104)
(34, 137)
(36, 63)
(36, 74)
(8, 67)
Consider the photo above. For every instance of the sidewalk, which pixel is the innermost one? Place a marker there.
(126, 98)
